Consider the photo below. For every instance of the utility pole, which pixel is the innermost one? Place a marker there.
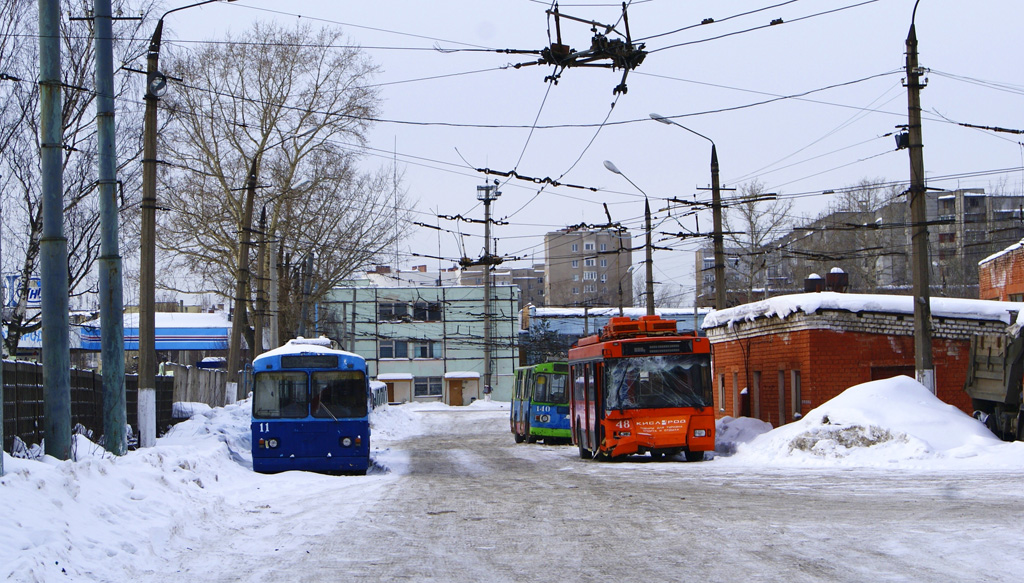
(716, 216)
(241, 281)
(111, 290)
(53, 247)
(261, 284)
(487, 193)
(649, 260)
(925, 370)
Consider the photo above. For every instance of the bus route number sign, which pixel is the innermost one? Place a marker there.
(649, 348)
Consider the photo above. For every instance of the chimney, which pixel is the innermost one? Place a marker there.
(837, 280)
(814, 283)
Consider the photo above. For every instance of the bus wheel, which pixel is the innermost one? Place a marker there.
(584, 452)
(694, 456)
(530, 438)
(519, 437)
(657, 455)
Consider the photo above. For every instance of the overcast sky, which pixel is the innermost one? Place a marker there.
(446, 114)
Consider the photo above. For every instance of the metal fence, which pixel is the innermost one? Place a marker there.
(23, 401)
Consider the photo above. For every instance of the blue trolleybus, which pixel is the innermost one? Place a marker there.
(540, 404)
(310, 409)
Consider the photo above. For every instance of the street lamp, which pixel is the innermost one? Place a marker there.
(649, 257)
(716, 212)
(156, 85)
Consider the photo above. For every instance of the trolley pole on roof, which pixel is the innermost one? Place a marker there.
(925, 370)
(487, 193)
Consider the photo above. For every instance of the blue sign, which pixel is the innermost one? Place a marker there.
(35, 291)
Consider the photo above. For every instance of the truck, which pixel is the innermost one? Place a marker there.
(994, 376)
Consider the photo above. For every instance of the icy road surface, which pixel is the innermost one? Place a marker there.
(463, 502)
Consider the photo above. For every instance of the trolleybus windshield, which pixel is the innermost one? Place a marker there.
(550, 389)
(279, 394)
(657, 381)
(339, 394)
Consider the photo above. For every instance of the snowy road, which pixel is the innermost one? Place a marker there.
(462, 502)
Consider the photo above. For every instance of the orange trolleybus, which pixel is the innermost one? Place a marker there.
(641, 387)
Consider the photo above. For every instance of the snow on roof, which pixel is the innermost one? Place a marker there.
(462, 374)
(1009, 249)
(539, 312)
(395, 376)
(809, 303)
(305, 346)
(174, 320)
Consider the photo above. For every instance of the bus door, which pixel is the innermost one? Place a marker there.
(591, 410)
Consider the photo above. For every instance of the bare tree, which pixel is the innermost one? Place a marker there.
(293, 105)
(751, 222)
(19, 156)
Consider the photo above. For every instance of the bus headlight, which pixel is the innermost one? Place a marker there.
(700, 433)
(268, 443)
(542, 418)
(346, 442)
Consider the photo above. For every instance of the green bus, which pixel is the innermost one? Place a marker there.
(540, 404)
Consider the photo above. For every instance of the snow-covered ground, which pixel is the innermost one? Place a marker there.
(101, 518)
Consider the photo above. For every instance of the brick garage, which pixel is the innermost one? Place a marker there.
(808, 348)
(1001, 276)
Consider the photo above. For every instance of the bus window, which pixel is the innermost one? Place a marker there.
(556, 390)
(338, 394)
(540, 389)
(653, 382)
(279, 395)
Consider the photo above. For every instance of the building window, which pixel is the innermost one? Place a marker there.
(390, 311)
(604, 246)
(427, 387)
(575, 277)
(604, 277)
(575, 263)
(589, 262)
(794, 376)
(426, 349)
(735, 394)
(575, 291)
(755, 397)
(1017, 297)
(604, 263)
(426, 311)
(575, 247)
(588, 246)
(589, 276)
(947, 237)
(394, 349)
(589, 288)
(782, 396)
(721, 392)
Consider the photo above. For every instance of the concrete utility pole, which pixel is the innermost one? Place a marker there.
(487, 193)
(716, 217)
(649, 258)
(925, 370)
(261, 284)
(111, 290)
(53, 247)
(716, 211)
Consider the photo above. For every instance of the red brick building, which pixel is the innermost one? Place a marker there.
(779, 358)
(1001, 276)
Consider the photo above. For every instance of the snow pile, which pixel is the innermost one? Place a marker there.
(730, 432)
(85, 519)
(893, 422)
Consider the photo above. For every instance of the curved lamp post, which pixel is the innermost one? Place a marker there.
(716, 211)
(648, 256)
